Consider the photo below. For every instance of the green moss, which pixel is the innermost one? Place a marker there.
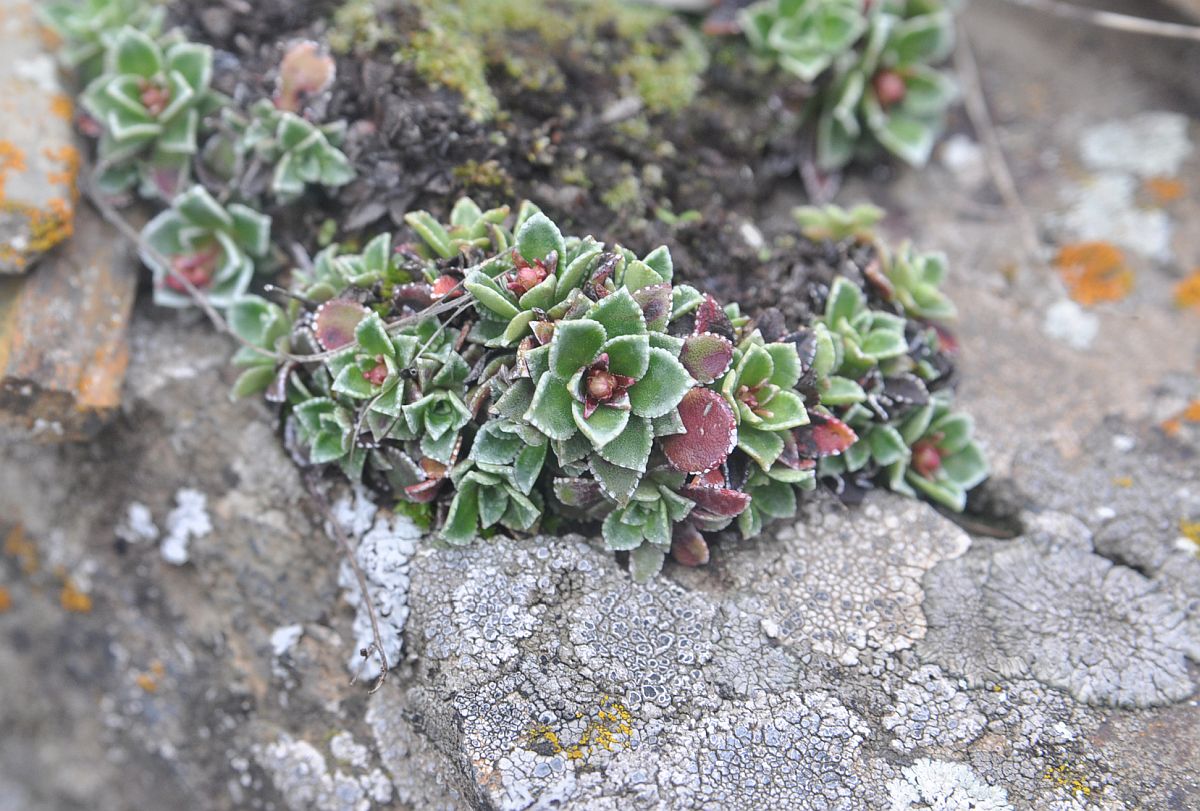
(462, 41)
(624, 196)
(358, 27)
(485, 175)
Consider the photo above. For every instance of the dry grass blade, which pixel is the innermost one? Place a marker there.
(1111, 19)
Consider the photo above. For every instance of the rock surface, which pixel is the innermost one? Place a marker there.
(177, 629)
(38, 157)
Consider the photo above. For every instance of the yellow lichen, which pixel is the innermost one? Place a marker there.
(608, 729)
(1069, 779)
(74, 600)
(1190, 530)
(1094, 272)
(5, 600)
(1187, 292)
(61, 107)
(18, 546)
(149, 680)
(1123, 481)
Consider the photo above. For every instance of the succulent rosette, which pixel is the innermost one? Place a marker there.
(88, 27)
(149, 102)
(211, 246)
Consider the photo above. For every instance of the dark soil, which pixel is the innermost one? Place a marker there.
(566, 148)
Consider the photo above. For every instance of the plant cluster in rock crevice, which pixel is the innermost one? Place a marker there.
(504, 373)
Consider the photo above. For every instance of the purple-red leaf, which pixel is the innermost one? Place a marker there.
(688, 546)
(823, 436)
(655, 301)
(711, 318)
(710, 432)
(715, 502)
(335, 322)
(706, 356)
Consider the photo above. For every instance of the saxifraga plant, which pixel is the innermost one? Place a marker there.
(870, 64)
(511, 377)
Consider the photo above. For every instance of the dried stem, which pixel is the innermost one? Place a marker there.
(1113, 20)
(981, 120)
(339, 535)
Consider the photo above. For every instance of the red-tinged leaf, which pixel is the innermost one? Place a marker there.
(655, 301)
(713, 478)
(706, 356)
(277, 391)
(711, 318)
(710, 433)
(879, 280)
(946, 339)
(305, 72)
(823, 436)
(716, 501)
(416, 296)
(688, 546)
(335, 322)
(543, 331)
(444, 286)
(580, 493)
(423, 492)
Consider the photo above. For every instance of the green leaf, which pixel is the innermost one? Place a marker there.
(619, 314)
(645, 562)
(199, 208)
(659, 260)
(136, 53)
(786, 364)
(489, 296)
(618, 535)
(880, 345)
(251, 230)
(463, 517)
(787, 411)
(966, 468)
(350, 382)
(550, 412)
(943, 491)
(956, 430)
(575, 345)
(841, 391)
(631, 449)
(372, 336)
(432, 232)
(922, 39)
(193, 62)
(844, 301)
(494, 446)
(638, 275)
(465, 213)
(662, 387)
(775, 499)
(628, 355)
(538, 237)
(528, 466)
(887, 445)
(253, 381)
(605, 424)
(764, 447)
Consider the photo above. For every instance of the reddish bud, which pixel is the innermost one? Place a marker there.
(926, 458)
(889, 88)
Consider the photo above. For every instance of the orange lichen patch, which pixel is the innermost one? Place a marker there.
(12, 159)
(1164, 190)
(1190, 530)
(18, 546)
(609, 729)
(61, 106)
(1187, 292)
(73, 599)
(1123, 481)
(5, 600)
(71, 160)
(1094, 272)
(146, 682)
(1191, 413)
